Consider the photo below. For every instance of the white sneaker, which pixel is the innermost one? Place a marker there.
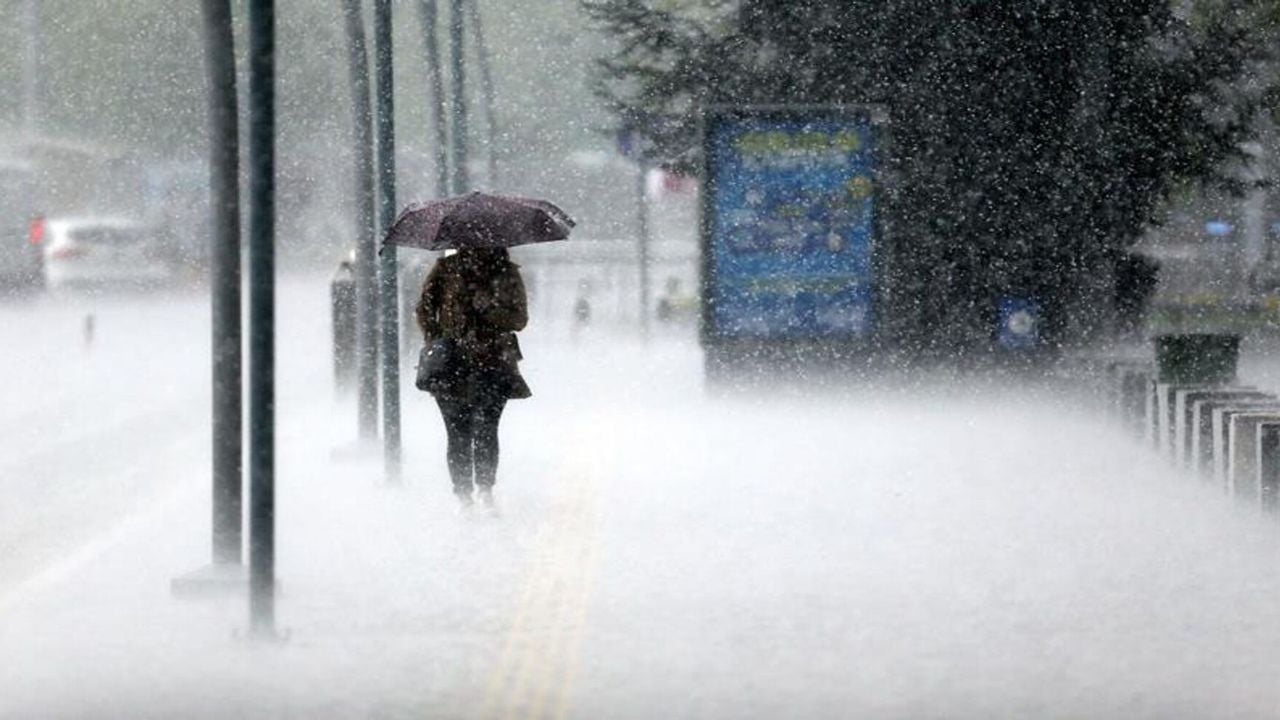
(466, 506)
(487, 503)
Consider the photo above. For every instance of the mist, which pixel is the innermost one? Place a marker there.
(938, 513)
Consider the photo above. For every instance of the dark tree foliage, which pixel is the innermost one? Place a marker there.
(1031, 140)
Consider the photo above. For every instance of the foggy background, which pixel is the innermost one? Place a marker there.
(917, 540)
(123, 89)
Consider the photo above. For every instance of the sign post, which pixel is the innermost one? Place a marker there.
(631, 145)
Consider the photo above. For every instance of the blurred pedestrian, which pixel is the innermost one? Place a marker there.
(581, 309)
(476, 298)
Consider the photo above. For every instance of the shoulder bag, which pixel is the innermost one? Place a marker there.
(439, 364)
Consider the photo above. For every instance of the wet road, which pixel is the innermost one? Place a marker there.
(961, 550)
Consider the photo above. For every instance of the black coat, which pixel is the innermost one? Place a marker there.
(481, 306)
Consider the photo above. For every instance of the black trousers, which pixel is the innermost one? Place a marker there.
(472, 427)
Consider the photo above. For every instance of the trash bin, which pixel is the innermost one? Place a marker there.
(342, 296)
(1197, 358)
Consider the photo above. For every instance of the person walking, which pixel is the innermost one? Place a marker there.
(476, 298)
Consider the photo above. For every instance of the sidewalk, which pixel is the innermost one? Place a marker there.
(388, 600)
(390, 604)
(665, 555)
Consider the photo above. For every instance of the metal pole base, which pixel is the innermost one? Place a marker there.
(262, 637)
(211, 581)
(357, 451)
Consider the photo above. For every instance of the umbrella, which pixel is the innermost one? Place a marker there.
(478, 220)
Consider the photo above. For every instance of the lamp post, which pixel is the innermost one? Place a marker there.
(387, 279)
(487, 88)
(261, 17)
(632, 144)
(457, 26)
(366, 233)
(643, 241)
(428, 13)
(226, 497)
(31, 75)
(225, 278)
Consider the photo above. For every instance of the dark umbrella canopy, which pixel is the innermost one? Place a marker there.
(478, 220)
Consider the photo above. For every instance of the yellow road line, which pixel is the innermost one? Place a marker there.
(561, 649)
(580, 618)
(540, 657)
(541, 661)
(498, 680)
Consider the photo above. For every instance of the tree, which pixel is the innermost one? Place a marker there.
(1031, 140)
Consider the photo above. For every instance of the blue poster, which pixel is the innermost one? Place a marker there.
(1019, 324)
(792, 225)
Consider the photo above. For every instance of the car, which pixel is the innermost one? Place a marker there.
(21, 256)
(104, 252)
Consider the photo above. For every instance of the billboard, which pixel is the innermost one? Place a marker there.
(789, 224)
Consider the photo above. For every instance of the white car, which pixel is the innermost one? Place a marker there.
(103, 252)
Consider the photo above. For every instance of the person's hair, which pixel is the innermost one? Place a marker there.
(488, 253)
(483, 260)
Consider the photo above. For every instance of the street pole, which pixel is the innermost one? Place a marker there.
(457, 27)
(487, 88)
(366, 233)
(224, 281)
(642, 230)
(386, 138)
(31, 67)
(428, 14)
(262, 317)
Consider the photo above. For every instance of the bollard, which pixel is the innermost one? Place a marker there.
(342, 297)
(1181, 442)
(1191, 361)
(1202, 426)
(1221, 427)
(1122, 392)
(1134, 383)
(1149, 437)
(1167, 415)
(1189, 423)
(1113, 390)
(1242, 448)
(1268, 465)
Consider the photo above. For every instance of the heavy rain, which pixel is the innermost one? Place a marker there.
(778, 359)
